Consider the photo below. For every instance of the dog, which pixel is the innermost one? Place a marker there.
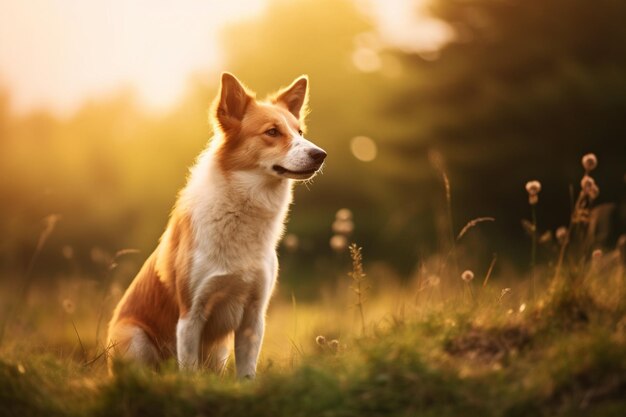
(212, 274)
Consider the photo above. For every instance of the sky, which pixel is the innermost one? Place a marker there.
(57, 54)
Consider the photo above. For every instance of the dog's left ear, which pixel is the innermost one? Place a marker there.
(295, 97)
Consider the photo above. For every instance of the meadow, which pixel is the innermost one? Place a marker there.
(461, 255)
(447, 341)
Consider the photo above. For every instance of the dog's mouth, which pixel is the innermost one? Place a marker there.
(297, 175)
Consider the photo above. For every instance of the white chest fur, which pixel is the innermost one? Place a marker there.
(237, 220)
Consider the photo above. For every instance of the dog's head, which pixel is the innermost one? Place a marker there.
(265, 136)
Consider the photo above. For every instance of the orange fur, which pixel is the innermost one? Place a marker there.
(198, 289)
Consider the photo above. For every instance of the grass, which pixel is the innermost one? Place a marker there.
(551, 343)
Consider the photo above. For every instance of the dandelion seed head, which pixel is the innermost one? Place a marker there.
(586, 183)
(467, 275)
(590, 162)
(533, 187)
(320, 340)
(561, 234)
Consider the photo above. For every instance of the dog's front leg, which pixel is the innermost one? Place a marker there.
(188, 332)
(248, 340)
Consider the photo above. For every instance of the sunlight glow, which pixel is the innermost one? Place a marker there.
(54, 54)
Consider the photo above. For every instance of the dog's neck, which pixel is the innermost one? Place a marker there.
(246, 192)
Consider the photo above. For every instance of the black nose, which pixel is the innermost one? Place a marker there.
(317, 155)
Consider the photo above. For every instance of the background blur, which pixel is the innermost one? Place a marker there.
(103, 109)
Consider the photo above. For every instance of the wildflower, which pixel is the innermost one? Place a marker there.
(546, 237)
(533, 188)
(68, 306)
(561, 234)
(320, 340)
(587, 183)
(467, 276)
(589, 187)
(590, 162)
(338, 243)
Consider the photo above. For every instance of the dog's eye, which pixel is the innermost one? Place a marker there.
(273, 132)
(300, 132)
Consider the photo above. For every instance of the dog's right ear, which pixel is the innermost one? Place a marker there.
(231, 103)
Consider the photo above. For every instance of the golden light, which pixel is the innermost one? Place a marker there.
(56, 54)
(363, 148)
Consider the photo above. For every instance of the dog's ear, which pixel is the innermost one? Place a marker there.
(295, 97)
(231, 102)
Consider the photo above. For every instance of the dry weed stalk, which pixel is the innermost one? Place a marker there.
(359, 281)
(50, 222)
(580, 215)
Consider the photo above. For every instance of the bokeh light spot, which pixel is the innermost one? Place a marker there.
(363, 148)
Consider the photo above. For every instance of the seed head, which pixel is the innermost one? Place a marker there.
(587, 183)
(589, 187)
(561, 234)
(533, 187)
(596, 255)
(590, 162)
(320, 340)
(467, 276)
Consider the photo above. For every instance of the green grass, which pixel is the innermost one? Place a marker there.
(447, 361)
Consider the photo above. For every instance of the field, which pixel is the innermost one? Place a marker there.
(445, 342)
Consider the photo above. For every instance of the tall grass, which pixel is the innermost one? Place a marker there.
(499, 355)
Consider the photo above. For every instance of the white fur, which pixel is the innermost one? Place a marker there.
(237, 220)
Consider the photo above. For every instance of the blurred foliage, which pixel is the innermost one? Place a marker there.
(524, 89)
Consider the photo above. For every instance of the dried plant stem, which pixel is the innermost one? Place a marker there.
(50, 223)
(358, 279)
(490, 270)
(80, 342)
(576, 206)
(533, 253)
(473, 223)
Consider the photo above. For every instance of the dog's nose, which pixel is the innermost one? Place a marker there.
(317, 155)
